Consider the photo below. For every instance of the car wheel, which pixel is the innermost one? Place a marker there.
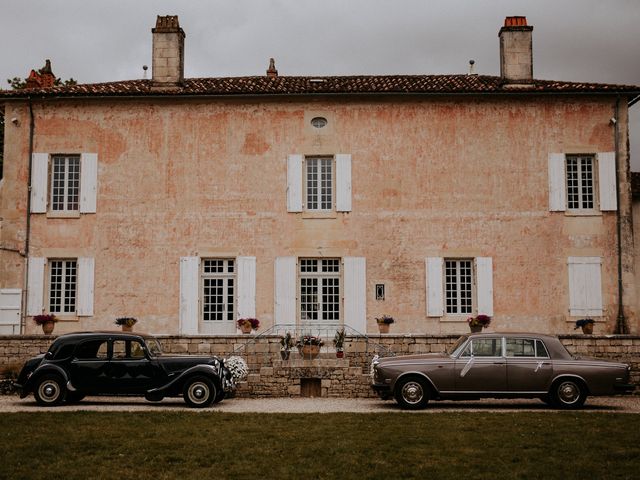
(199, 392)
(50, 390)
(220, 396)
(568, 394)
(412, 393)
(74, 397)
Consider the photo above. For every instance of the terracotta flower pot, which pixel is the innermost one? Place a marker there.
(475, 328)
(47, 327)
(309, 352)
(587, 329)
(127, 328)
(383, 327)
(339, 354)
(246, 328)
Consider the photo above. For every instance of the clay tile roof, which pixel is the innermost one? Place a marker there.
(358, 84)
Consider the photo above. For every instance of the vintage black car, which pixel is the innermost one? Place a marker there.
(499, 365)
(115, 363)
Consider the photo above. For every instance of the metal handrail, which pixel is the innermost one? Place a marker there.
(325, 331)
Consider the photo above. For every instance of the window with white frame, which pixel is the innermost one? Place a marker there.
(63, 282)
(319, 183)
(319, 289)
(580, 182)
(65, 182)
(459, 286)
(218, 290)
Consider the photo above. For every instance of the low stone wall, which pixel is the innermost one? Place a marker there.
(327, 376)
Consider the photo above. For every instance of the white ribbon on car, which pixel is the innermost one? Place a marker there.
(467, 367)
(538, 367)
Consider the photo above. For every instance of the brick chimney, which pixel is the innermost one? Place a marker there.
(43, 78)
(167, 68)
(271, 71)
(516, 52)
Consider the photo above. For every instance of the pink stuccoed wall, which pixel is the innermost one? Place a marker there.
(431, 176)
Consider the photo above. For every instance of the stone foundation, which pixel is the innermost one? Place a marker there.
(271, 376)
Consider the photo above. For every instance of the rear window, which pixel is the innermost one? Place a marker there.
(526, 348)
(92, 350)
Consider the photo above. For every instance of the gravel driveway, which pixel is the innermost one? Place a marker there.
(10, 403)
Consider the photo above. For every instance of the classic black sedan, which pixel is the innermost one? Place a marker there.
(515, 365)
(115, 363)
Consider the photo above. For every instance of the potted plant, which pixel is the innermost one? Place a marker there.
(586, 324)
(384, 322)
(126, 323)
(248, 324)
(286, 344)
(338, 342)
(47, 321)
(477, 323)
(309, 346)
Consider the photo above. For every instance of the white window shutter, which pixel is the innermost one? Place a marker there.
(294, 183)
(189, 274)
(585, 286)
(557, 183)
(84, 307)
(88, 182)
(355, 293)
(39, 182)
(285, 291)
(484, 285)
(607, 181)
(435, 294)
(246, 287)
(343, 182)
(35, 287)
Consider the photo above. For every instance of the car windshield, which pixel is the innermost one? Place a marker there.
(153, 346)
(452, 349)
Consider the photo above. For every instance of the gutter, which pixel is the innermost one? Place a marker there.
(32, 127)
(621, 323)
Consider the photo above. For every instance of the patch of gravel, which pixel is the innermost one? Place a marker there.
(12, 403)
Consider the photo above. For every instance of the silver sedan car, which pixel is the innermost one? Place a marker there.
(498, 365)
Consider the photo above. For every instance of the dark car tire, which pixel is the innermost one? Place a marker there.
(220, 396)
(412, 393)
(568, 394)
(50, 390)
(74, 397)
(199, 392)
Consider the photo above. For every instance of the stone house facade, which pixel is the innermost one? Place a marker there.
(192, 202)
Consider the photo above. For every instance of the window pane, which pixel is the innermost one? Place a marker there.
(62, 286)
(580, 182)
(487, 347)
(319, 183)
(541, 350)
(320, 289)
(218, 290)
(459, 286)
(65, 183)
(520, 347)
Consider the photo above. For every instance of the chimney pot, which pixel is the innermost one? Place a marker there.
(271, 71)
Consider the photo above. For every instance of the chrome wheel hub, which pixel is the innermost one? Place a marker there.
(198, 392)
(49, 391)
(568, 392)
(412, 392)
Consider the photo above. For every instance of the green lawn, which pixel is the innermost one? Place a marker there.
(136, 446)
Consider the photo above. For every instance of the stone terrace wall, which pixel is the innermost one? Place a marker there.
(269, 375)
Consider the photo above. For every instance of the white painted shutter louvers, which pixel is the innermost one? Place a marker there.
(294, 183)
(189, 274)
(84, 307)
(585, 286)
(484, 279)
(607, 181)
(35, 287)
(246, 287)
(285, 291)
(435, 295)
(343, 182)
(39, 181)
(557, 183)
(355, 293)
(88, 182)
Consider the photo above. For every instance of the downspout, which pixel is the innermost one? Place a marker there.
(621, 324)
(32, 127)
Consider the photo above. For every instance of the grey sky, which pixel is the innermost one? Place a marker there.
(100, 41)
